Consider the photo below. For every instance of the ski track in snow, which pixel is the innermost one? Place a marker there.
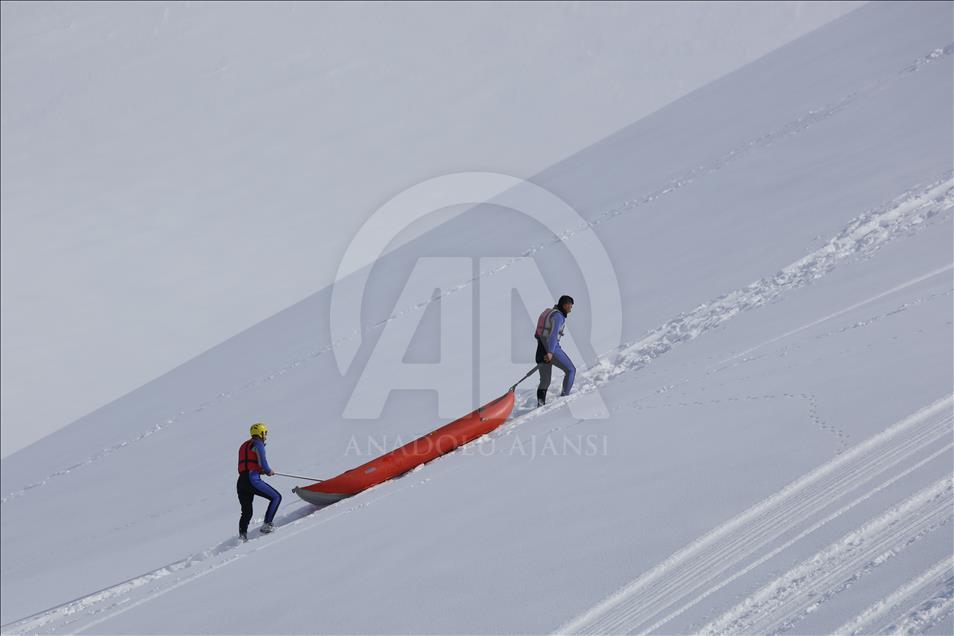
(911, 609)
(919, 619)
(841, 436)
(782, 603)
(807, 531)
(791, 128)
(749, 539)
(900, 309)
(877, 455)
(861, 238)
(921, 62)
(721, 365)
(90, 610)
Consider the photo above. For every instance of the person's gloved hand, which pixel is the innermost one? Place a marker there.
(548, 357)
(271, 473)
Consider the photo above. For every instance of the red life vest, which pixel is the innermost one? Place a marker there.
(248, 458)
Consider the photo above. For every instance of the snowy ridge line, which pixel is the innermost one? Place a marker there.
(789, 129)
(788, 599)
(116, 599)
(705, 560)
(861, 238)
(801, 535)
(936, 584)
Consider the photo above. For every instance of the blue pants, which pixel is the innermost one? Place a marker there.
(249, 485)
(561, 361)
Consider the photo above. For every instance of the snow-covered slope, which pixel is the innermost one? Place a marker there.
(194, 168)
(779, 442)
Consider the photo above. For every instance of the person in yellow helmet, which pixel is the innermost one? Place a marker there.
(251, 464)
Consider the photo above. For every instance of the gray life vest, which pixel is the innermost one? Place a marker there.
(545, 324)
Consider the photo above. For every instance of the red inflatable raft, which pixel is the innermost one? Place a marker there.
(413, 454)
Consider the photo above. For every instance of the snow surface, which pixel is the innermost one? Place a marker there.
(178, 172)
(778, 452)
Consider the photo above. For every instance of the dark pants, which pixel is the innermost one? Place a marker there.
(247, 489)
(561, 361)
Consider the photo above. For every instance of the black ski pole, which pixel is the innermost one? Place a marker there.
(529, 373)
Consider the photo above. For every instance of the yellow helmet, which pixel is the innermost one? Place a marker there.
(258, 430)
